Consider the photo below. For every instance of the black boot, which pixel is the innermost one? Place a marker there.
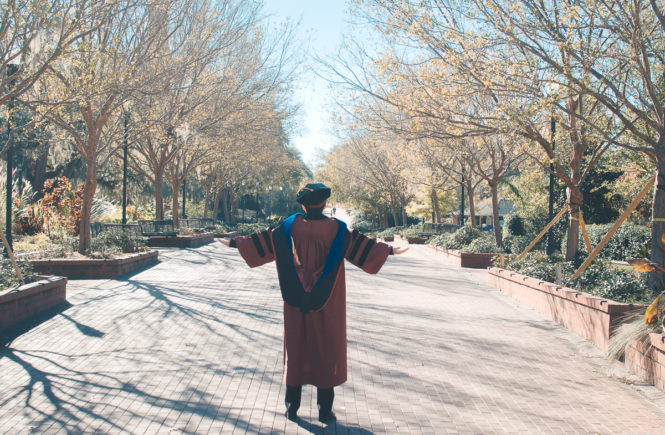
(292, 402)
(324, 400)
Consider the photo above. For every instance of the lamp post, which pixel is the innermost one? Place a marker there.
(184, 132)
(124, 168)
(184, 197)
(552, 89)
(550, 234)
(461, 204)
(12, 70)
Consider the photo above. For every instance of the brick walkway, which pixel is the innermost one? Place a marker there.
(194, 345)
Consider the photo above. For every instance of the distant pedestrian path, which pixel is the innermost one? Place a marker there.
(194, 345)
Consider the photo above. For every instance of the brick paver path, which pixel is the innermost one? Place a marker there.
(194, 345)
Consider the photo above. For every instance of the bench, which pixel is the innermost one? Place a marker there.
(198, 224)
(157, 228)
(133, 230)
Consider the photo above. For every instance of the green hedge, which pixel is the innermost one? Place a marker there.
(467, 239)
(629, 241)
(601, 278)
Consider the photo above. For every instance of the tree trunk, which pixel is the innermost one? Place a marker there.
(159, 199)
(395, 218)
(575, 199)
(657, 279)
(37, 173)
(215, 208)
(404, 217)
(496, 223)
(227, 204)
(206, 201)
(86, 208)
(436, 213)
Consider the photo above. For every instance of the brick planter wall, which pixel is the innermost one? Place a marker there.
(592, 317)
(188, 241)
(647, 359)
(31, 299)
(222, 235)
(95, 268)
(464, 259)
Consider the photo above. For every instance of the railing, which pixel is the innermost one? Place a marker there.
(197, 223)
(157, 228)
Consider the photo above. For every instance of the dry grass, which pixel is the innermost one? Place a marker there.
(633, 329)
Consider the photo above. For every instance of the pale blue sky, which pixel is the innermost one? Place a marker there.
(322, 24)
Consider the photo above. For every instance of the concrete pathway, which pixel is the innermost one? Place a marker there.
(194, 345)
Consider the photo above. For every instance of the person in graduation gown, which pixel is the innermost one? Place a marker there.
(309, 251)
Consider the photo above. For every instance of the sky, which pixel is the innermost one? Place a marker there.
(322, 24)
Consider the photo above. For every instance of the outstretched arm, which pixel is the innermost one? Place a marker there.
(256, 249)
(368, 254)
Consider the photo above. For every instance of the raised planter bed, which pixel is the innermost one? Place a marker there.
(464, 259)
(592, 317)
(26, 301)
(416, 240)
(180, 241)
(410, 240)
(647, 359)
(95, 268)
(230, 234)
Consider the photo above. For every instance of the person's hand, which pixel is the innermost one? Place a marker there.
(398, 250)
(225, 241)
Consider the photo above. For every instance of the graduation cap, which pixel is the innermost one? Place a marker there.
(313, 194)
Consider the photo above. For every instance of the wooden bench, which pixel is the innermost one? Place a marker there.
(153, 228)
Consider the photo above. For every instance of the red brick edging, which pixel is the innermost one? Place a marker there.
(31, 299)
(647, 359)
(464, 259)
(188, 241)
(592, 317)
(95, 268)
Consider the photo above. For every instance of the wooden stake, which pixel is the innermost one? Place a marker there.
(615, 227)
(543, 232)
(11, 257)
(585, 235)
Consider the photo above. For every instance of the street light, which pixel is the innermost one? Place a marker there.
(11, 72)
(125, 107)
(552, 89)
(184, 132)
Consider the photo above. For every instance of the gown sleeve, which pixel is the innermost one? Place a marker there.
(366, 253)
(256, 249)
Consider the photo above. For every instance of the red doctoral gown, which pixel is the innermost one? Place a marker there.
(315, 342)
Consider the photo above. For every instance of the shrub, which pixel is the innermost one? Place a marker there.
(516, 244)
(246, 229)
(388, 232)
(628, 242)
(541, 266)
(61, 206)
(483, 245)
(514, 226)
(109, 243)
(364, 226)
(8, 277)
(411, 231)
(601, 278)
(461, 238)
